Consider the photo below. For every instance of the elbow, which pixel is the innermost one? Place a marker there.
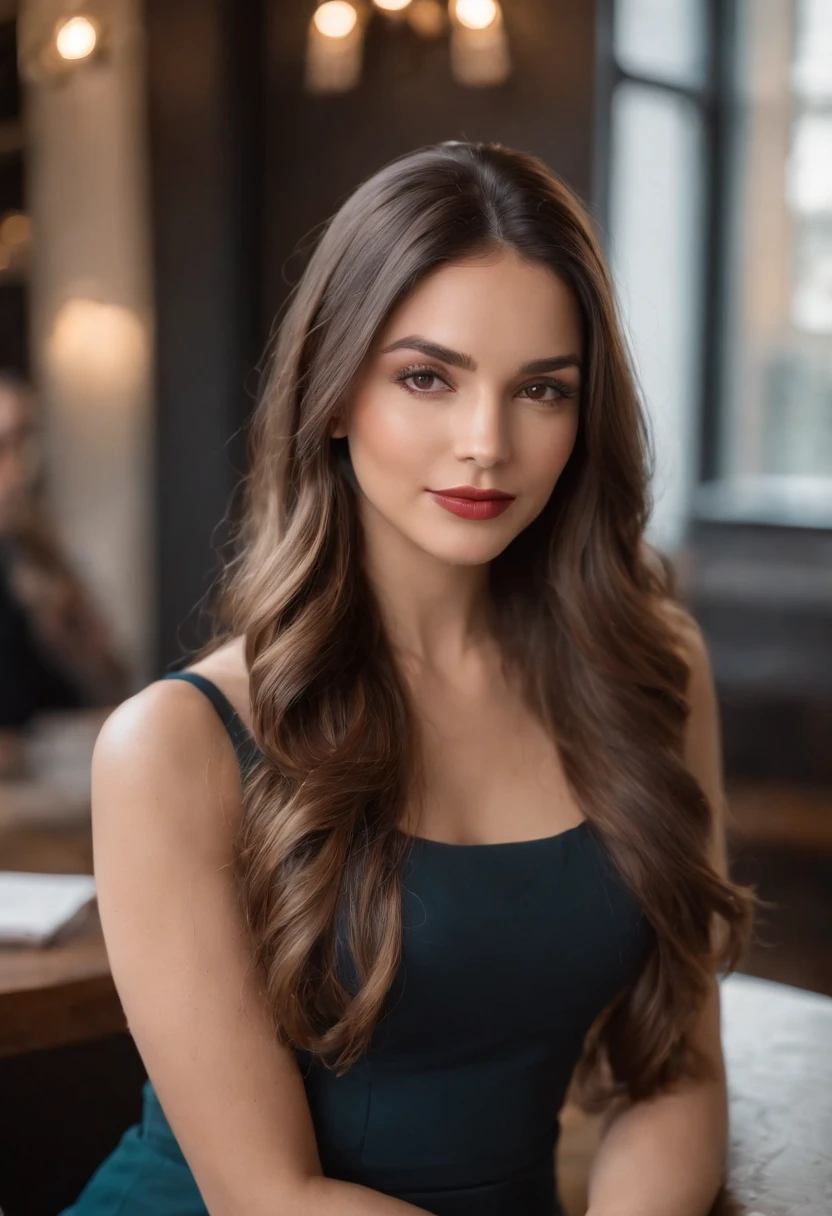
(273, 1197)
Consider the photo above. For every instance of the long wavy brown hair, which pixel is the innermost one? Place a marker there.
(580, 608)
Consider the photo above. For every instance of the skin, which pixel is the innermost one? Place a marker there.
(16, 427)
(166, 791)
(491, 428)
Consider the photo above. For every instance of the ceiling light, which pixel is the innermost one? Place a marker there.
(76, 38)
(476, 14)
(335, 18)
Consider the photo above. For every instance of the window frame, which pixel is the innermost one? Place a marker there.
(714, 99)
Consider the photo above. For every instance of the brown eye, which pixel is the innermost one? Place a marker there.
(561, 392)
(419, 375)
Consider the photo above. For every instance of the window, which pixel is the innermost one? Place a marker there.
(656, 227)
(776, 425)
(719, 224)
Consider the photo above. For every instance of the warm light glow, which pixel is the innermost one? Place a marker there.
(391, 6)
(428, 18)
(335, 18)
(97, 348)
(76, 38)
(476, 14)
(480, 56)
(15, 228)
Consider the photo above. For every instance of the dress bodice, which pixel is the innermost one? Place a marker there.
(509, 953)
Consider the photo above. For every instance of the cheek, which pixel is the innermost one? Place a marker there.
(387, 440)
(547, 449)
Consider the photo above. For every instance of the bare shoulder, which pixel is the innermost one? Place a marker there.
(703, 733)
(692, 646)
(690, 641)
(163, 763)
(166, 802)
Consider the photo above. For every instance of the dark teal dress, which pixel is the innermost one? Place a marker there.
(509, 952)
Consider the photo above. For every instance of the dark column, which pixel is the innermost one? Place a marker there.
(203, 60)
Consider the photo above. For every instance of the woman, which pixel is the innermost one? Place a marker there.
(457, 827)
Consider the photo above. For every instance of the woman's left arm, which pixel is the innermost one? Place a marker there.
(666, 1155)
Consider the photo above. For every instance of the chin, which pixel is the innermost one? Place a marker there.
(459, 551)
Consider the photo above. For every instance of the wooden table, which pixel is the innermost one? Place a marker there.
(778, 1048)
(62, 994)
(58, 995)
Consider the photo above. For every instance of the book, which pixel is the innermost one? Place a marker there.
(35, 908)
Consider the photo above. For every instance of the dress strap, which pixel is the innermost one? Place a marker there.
(239, 734)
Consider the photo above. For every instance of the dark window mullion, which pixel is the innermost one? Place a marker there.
(700, 95)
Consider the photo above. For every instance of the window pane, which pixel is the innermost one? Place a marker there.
(777, 392)
(663, 38)
(809, 165)
(656, 260)
(812, 67)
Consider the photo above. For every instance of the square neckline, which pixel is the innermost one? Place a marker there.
(493, 844)
(241, 736)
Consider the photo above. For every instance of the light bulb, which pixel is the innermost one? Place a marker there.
(335, 18)
(476, 14)
(76, 38)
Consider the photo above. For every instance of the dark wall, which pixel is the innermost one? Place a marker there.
(318, 148)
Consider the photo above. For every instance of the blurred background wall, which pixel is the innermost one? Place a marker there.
(90, 312)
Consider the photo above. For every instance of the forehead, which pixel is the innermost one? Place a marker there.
(499, 305)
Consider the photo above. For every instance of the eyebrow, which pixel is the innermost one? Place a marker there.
(453, 357)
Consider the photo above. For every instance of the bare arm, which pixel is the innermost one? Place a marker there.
(166, 804)
(666, 1155)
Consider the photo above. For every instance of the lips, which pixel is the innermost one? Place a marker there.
(473, 493)
(472, 508)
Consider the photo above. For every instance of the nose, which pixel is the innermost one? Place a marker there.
(482, 430)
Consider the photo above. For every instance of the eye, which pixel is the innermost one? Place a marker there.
(562, 391)
(419, 373)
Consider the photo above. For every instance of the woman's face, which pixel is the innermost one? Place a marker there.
(444, 402)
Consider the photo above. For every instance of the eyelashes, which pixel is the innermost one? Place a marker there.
(407, 373)
(564, 391)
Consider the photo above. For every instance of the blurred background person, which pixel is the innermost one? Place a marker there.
(56, 649)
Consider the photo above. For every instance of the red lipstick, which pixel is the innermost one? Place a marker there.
(471, 503)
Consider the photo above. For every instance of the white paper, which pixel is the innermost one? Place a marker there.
(33, 907)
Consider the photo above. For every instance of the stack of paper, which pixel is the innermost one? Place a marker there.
(34, 907)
